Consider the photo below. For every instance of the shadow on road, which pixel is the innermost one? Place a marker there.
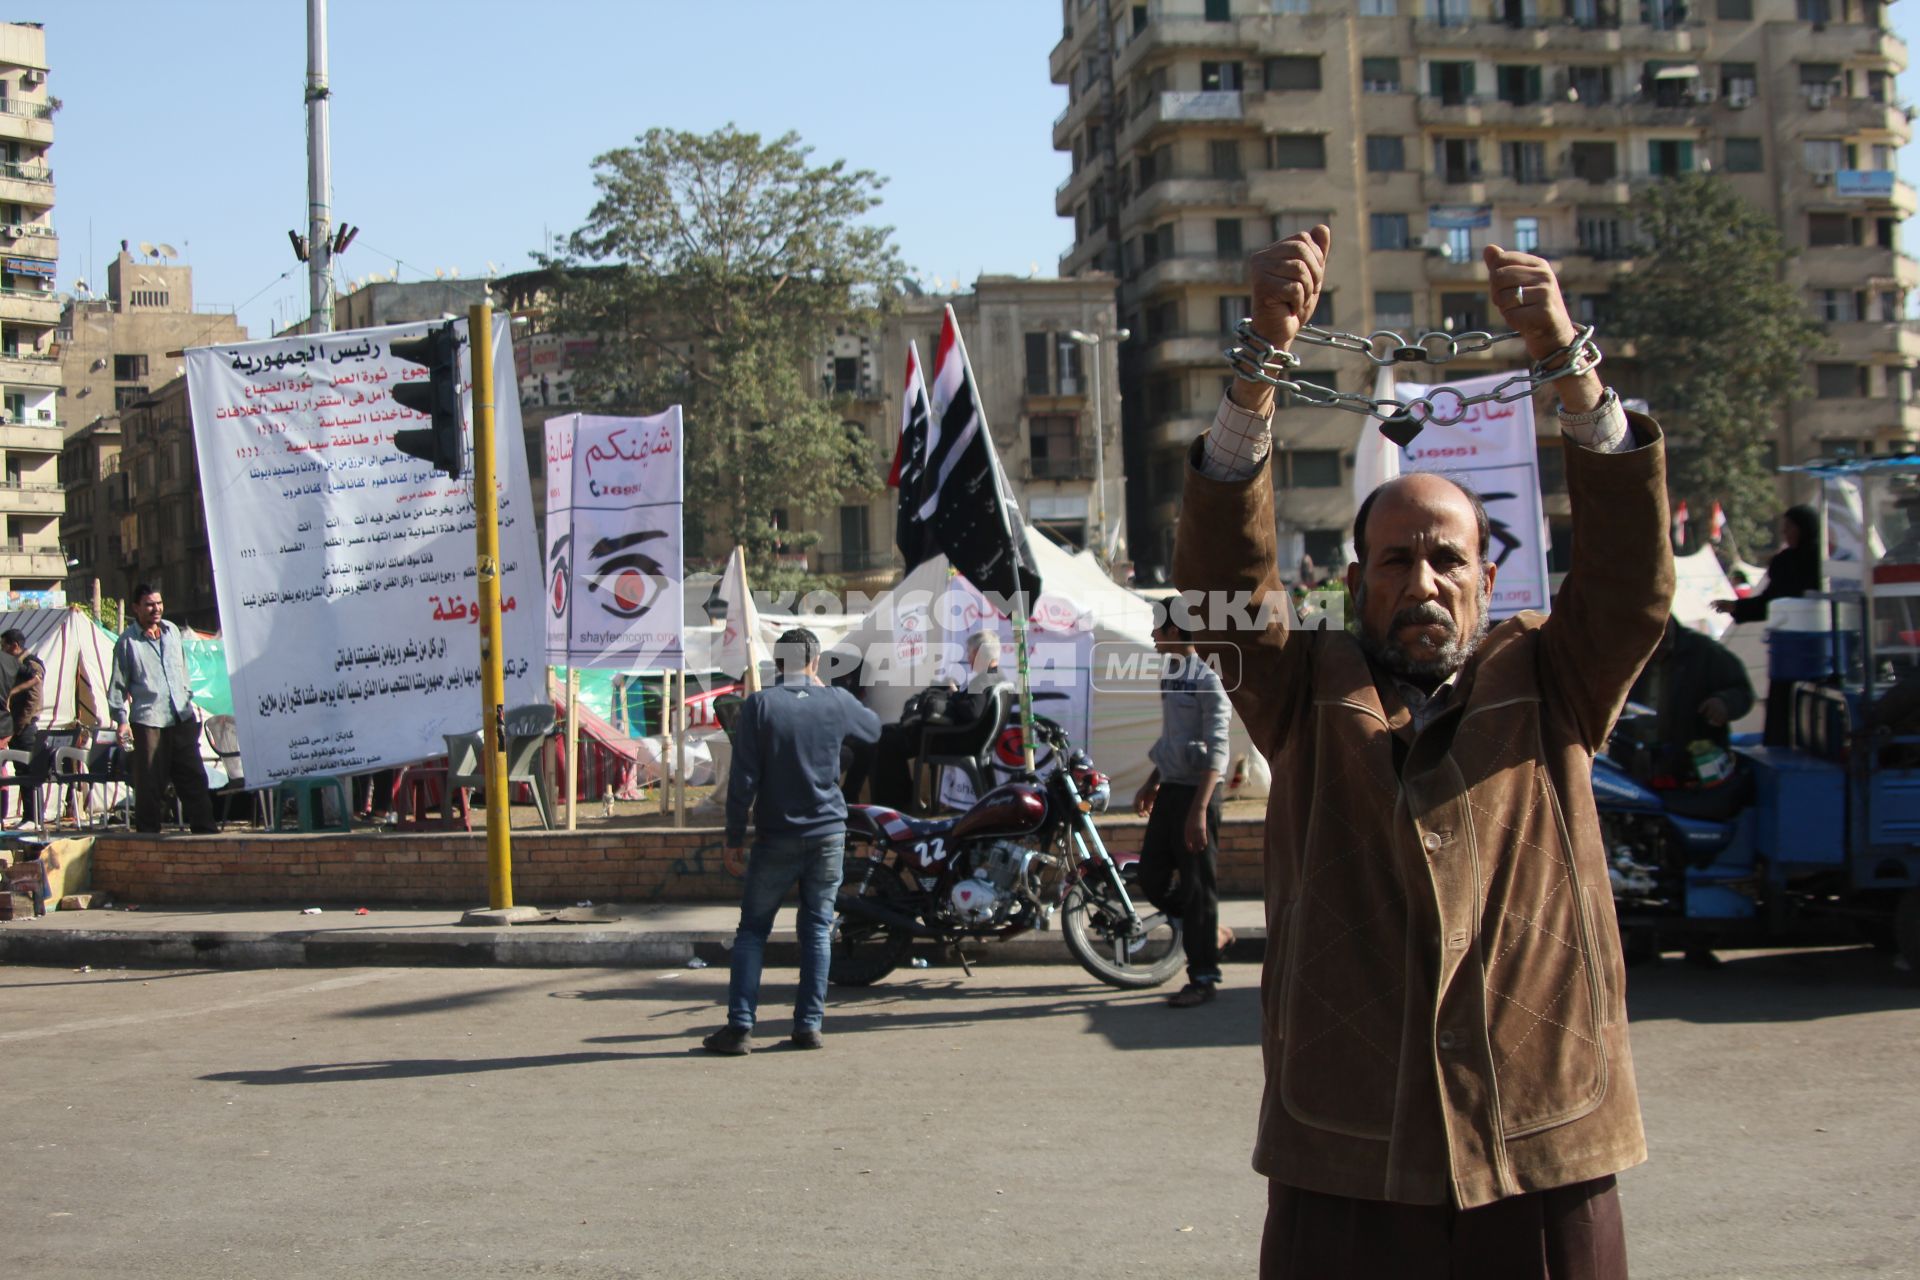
(440, 1003)
(415, 1068)
(1771, 986)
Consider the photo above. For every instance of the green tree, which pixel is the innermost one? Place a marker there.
(715, 270)
(1723, 340)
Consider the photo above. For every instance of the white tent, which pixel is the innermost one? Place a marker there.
(908, 645)
(79, 658)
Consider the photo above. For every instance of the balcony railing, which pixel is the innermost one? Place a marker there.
(31, 110)
(26, 172)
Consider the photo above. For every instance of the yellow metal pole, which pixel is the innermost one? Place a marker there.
(493, 678)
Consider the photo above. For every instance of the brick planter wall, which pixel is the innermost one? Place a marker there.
(549, 868)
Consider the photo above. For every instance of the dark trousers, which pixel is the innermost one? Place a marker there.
(893, 758)
(1180, 883)
(160, 755)
(1567, 1233)
(26, 737)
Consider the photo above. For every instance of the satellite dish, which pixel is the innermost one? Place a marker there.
(439, 273)
(146, 247)
(492, 269)
(167, 251)
(81, 286)
(453, 272)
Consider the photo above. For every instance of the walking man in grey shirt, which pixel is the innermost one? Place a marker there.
(1181, 803)
(152, 707)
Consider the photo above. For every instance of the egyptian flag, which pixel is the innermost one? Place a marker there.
(910, 532)
(1680, 524)
(1716, 524)
(965, 497)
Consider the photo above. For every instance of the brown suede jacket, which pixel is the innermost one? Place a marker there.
(1443, 988)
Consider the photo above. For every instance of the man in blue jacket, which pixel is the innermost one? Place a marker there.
(786, 771)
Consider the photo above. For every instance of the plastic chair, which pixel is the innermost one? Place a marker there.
(223, 740)
(104, 764)
(307, 797)
(967, 747)
(429, 784)
(529, 729)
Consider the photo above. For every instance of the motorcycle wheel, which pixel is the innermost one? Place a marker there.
(1094, 925)
(865, 951)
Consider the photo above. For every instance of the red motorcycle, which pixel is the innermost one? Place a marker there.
(1025, 852)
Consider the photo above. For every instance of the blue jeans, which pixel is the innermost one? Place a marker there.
(774, 865)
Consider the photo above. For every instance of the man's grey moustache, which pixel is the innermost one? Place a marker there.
(1425, 615)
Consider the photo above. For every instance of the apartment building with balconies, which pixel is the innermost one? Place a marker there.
(30, 559)
(1422, 130)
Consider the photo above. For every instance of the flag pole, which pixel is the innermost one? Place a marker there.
(573, 746)
(1026, 694)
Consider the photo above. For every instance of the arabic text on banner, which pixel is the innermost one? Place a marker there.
(1493, 451)
(345, 569)
(614, 550)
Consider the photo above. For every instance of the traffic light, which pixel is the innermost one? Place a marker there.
(438, 397)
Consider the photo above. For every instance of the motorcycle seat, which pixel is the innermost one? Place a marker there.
(895, 825)
(1713, 804)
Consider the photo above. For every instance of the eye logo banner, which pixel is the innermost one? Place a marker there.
(615, 553)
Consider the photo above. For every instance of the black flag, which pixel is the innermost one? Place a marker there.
(965, 499)
(910, 533)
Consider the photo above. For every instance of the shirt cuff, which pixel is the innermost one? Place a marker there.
(1602, 429)
(1237, 446)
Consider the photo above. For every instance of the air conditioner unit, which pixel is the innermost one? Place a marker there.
(1822, 179)
(32, 78)
(1738, 101)
(1819, 99)
(1705, 94)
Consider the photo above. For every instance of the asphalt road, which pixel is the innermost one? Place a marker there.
(435, 1122)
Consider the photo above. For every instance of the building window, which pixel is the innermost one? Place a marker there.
(1389, 230)
(1393, 309)
(1323, 311)
(1219, 11)
(1380, 75)
(1519, 85)
(1813, 10)
(1297, 151)
(1823, 155)
(1068, 363)
(1839, 381)
(147, 298)
(1293, 72)
(1738, 80)
(1744, 155)
(1459, 244)
(129, 368)
(1163, 319)
(1386, 153)
(1734, 10)
(846, 375)
(1451, 82)
(1594, 161)
(127, 397)
(1234, 309)
(1379, 8)
(1457, 159)
(1839, 306)
(1226, 238)
(1524, 162)
(1592, 86)
(1463, 312)
(1223, 158)
(1824, 229)
(1314, 468)
(1218, 76)
(1526, 235)
(1052, 445)
(1819, 77)
(1667, 157)
(1037, 380)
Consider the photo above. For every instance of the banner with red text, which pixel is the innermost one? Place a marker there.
(1492, 450)
(615, 487)
(344, 569)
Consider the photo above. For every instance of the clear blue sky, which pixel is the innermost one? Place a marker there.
(183, 124)
(463, 132)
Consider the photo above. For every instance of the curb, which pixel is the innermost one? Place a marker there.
(529, 947)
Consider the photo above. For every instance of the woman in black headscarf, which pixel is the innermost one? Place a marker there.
(1793, 571)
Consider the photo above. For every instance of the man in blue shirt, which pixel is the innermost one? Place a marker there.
(152, 706)
(786, 772)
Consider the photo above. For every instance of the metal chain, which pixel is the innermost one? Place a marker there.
(1385, 347)
(1258, 360)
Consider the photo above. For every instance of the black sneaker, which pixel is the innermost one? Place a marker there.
(807, 1038)
(730, 1040)
(1194, 993)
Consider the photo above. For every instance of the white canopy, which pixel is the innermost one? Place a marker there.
(79, 658)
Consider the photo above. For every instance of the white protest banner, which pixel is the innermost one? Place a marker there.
(344, 569)
(1492, 450)
(559, 536)
(624, 605)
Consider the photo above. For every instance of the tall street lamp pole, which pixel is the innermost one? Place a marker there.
(1091, 341)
